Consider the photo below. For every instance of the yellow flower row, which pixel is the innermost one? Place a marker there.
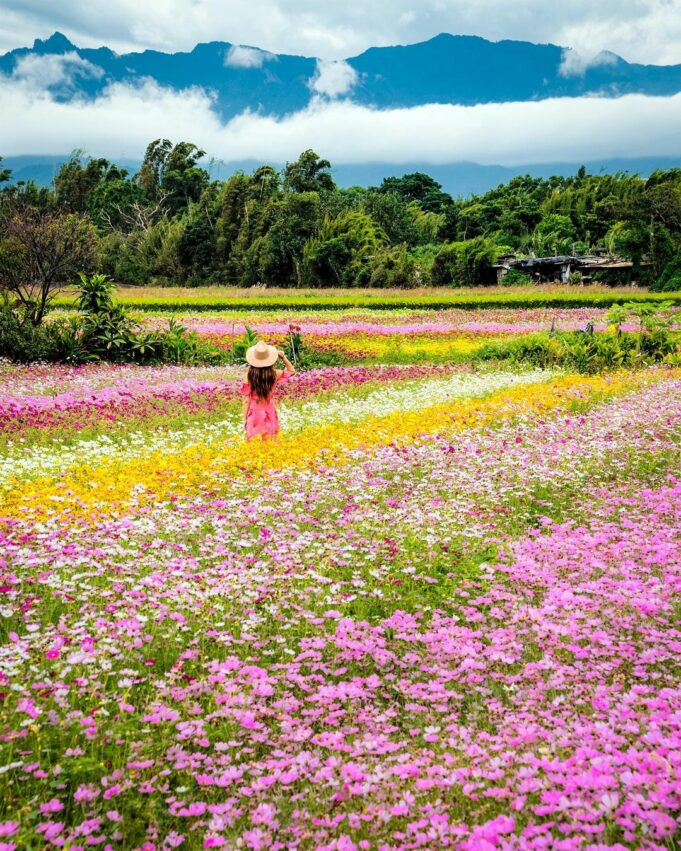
(87, 492)
(378, 346)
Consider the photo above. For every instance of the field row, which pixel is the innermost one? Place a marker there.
(398, 336)
(171, 451)
(223, 298)
(319, 323)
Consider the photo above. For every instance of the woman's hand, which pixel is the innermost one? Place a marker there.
(289, 366)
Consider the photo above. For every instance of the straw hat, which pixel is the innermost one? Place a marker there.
(261, 355)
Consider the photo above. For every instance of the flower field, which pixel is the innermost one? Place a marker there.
(389, 336)
(440, 611)
(251, 299)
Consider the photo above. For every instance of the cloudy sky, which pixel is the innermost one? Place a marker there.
(121, 121)
(639, 30)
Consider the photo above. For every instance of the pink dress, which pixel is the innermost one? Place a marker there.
(261, 416)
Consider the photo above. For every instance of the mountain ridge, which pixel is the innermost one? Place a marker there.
(58, 42)
(446, 69)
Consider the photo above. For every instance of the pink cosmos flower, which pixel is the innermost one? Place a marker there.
(9, 828)
(53, 806)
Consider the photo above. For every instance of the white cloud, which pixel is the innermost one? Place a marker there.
(646, 31)
(407, 17)
(575, 64)
(239, 56)
(124, 119)
(54, 69)
(333, 79)
(640, 30)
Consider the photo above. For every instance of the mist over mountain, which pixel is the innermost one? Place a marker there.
(447, 69)
(239, 80)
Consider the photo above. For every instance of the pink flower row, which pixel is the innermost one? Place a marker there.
(484, 321)
(135, 397)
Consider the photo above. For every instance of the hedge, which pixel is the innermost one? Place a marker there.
(436, 301)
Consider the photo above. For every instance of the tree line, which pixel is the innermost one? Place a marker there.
(171, 224)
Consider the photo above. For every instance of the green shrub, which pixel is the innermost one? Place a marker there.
(95, 294)
(23, 342)
(103, 331)
(395, 267)
(107, 332)
(515, 278)
(467, 263)
(578, 351)
(534, 349)
(670, 279)
(250, 338)
(177, 345)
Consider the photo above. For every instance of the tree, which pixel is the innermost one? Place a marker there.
(428, 224)
(421, 188)
(183, 180)
(555, 234)
(309, 173)
(392, 213)
(41, 251)
(150, 175)
(75, 182)
(264, 183)
(170, 222)
(629, 240)
(467, 263)
(119, 204)
(660, 250)
(170, 175)
(197, 246)
(394, 266)
(670, 279)
(343, 251)
(275, 257)
(663, 196)
(145, 256)
(232, 203)
(26, 194)
(5, 173)
(243, 205)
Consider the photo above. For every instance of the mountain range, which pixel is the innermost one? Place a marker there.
(458, 69)
(447, 69)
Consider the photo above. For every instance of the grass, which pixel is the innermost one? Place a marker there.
(233, 298)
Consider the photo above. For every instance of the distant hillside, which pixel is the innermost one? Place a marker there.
(459, 179)
(456, 69)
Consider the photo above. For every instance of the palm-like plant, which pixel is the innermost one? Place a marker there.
(95, 293)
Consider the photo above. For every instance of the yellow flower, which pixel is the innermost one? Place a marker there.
(88, 491)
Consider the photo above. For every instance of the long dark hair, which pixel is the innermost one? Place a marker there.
(261, 379)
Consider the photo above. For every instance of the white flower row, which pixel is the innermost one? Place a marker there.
(294, 416)
(405, 396)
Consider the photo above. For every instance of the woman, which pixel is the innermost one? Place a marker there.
(260, 415)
